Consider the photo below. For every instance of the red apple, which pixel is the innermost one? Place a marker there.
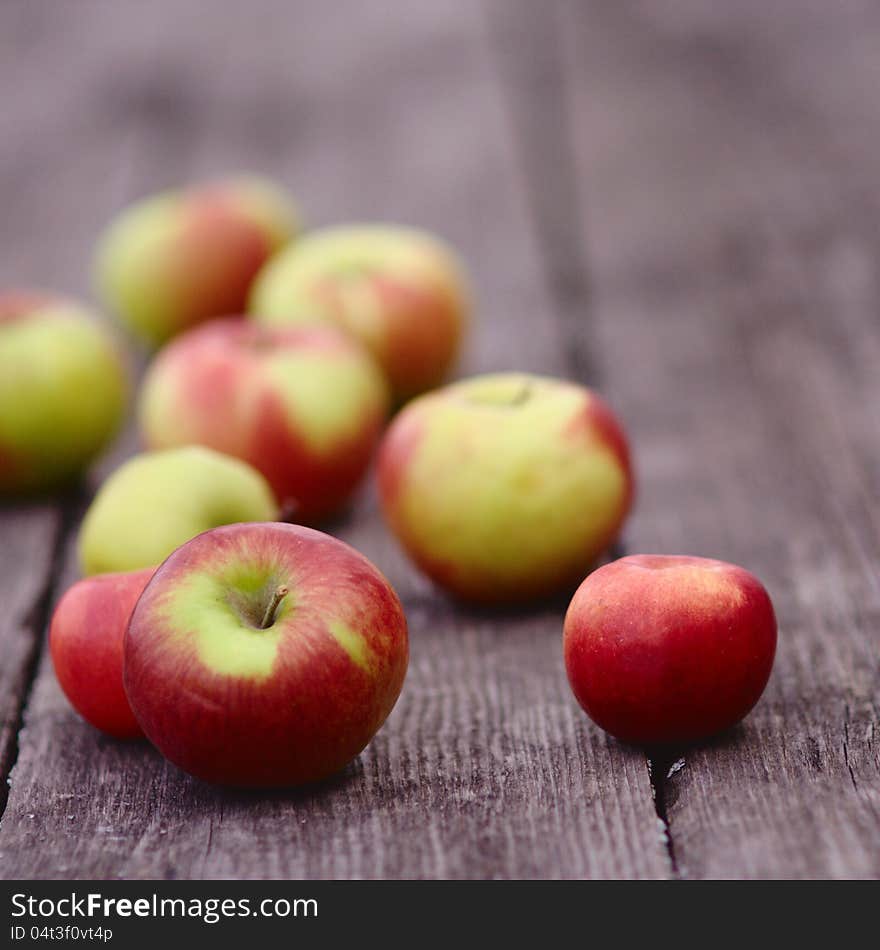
(304, 405)
(665, 649)
(85, 640)
(264, 654)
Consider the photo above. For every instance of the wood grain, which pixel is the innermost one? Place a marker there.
(729, 163)
(26, 560)
(486, 768)
(47, 220)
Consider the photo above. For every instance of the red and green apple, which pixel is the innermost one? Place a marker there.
(264, 655)
(400, 291)
(505, 487)
(305, 405)
(178, 258)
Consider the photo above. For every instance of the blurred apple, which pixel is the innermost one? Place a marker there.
(63, 390)
(505, 487)
(181, 257)
(400, 291)
(158, 500)
(304, 405)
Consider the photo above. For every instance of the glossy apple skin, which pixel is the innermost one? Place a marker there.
(305, 405)
(156, 501)
(63, 390)
(666, 649)
(85, 640)
(400, 291)
(176, 259)
(235, 704)
(507, 487)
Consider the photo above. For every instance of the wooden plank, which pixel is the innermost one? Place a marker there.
(728, 157)
(29, 534)
(46, 220)
(486, 768)
(528, 54)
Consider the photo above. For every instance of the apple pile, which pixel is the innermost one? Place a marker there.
(212, 617)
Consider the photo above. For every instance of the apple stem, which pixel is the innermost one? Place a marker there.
(523, 395)
(272, 609)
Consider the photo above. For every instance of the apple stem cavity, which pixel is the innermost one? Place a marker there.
(272, 608)
(502, 398)
(522, 396)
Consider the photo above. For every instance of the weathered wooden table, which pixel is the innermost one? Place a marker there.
(678, 203)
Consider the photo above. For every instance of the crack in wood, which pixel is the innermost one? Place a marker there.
(849, 767)
(36, 622)
(661, 767)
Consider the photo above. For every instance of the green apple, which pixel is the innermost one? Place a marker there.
(181, 257)
(63, 390)
(400, 291)
(506, 487)
(157, 501)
